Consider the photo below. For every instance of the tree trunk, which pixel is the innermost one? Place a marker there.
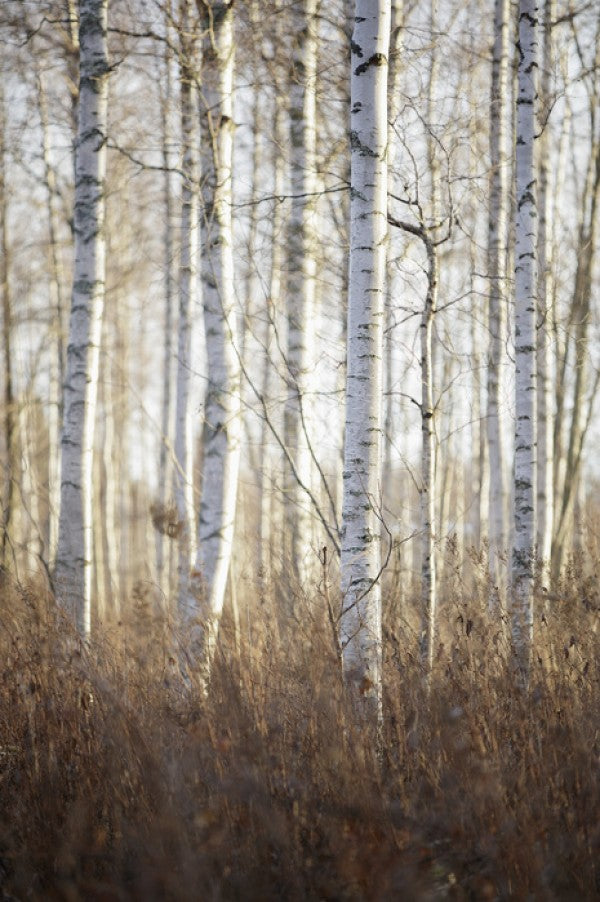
(74, 551)
(360, 627)
(545, 345)
(301, 288)
(497, 311)
(427, 490)
(525, 341)
(394, 100)
(222, 420)
(184, 455)
(164, 470)
(10, 412)
(57, 352)
(269, 373)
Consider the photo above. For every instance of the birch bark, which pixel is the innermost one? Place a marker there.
(113, 489)
(75, 539)
(560, 335)
(429, 552)
(269, 374)
(10, 412)
(360, 626)
(394, 100)
(427, 490)
(57, 351)
(497, 309)
(222, 425)
(525, 340)
(164, 480)
(183, 471)
(301, 285)
(545, 344)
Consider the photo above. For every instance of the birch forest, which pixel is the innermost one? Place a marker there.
(299, 482)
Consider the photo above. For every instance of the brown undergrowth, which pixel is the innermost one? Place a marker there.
(119, 781)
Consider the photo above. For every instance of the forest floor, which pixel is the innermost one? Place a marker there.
(118, 781)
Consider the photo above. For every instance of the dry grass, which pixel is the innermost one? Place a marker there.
(117, 782)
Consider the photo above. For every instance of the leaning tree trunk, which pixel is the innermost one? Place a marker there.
(222, 419)
(525, 342)
(497, 310)
(301, 286)
(360, 626)
(75, 540)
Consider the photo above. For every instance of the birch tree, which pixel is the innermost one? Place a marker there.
(360, 626)
(394, 97)
(222, 420)
(169, 291)
(427, 489)
(301, 283)
(269, 377)
(497, 309)
(571, 428)
(525, 339)
(57, 353)
(428, 408)
(545, 346)
(75, 539)
(9, 419)
(183, 471)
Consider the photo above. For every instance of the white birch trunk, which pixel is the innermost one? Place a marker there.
(183, 478)
(71, 9)
(301, 287)
(101, 587)
(497, 311)
(30, 539)
(113, 487)
(56, 361)
(360, 626)
(478, 497)
(164, 477)
(75, 541)
(525, 341)
(559, 336)
(545, 343)
(427, 490)
(431, 556)
(394, 101)
(269, 373)
(222, 422)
